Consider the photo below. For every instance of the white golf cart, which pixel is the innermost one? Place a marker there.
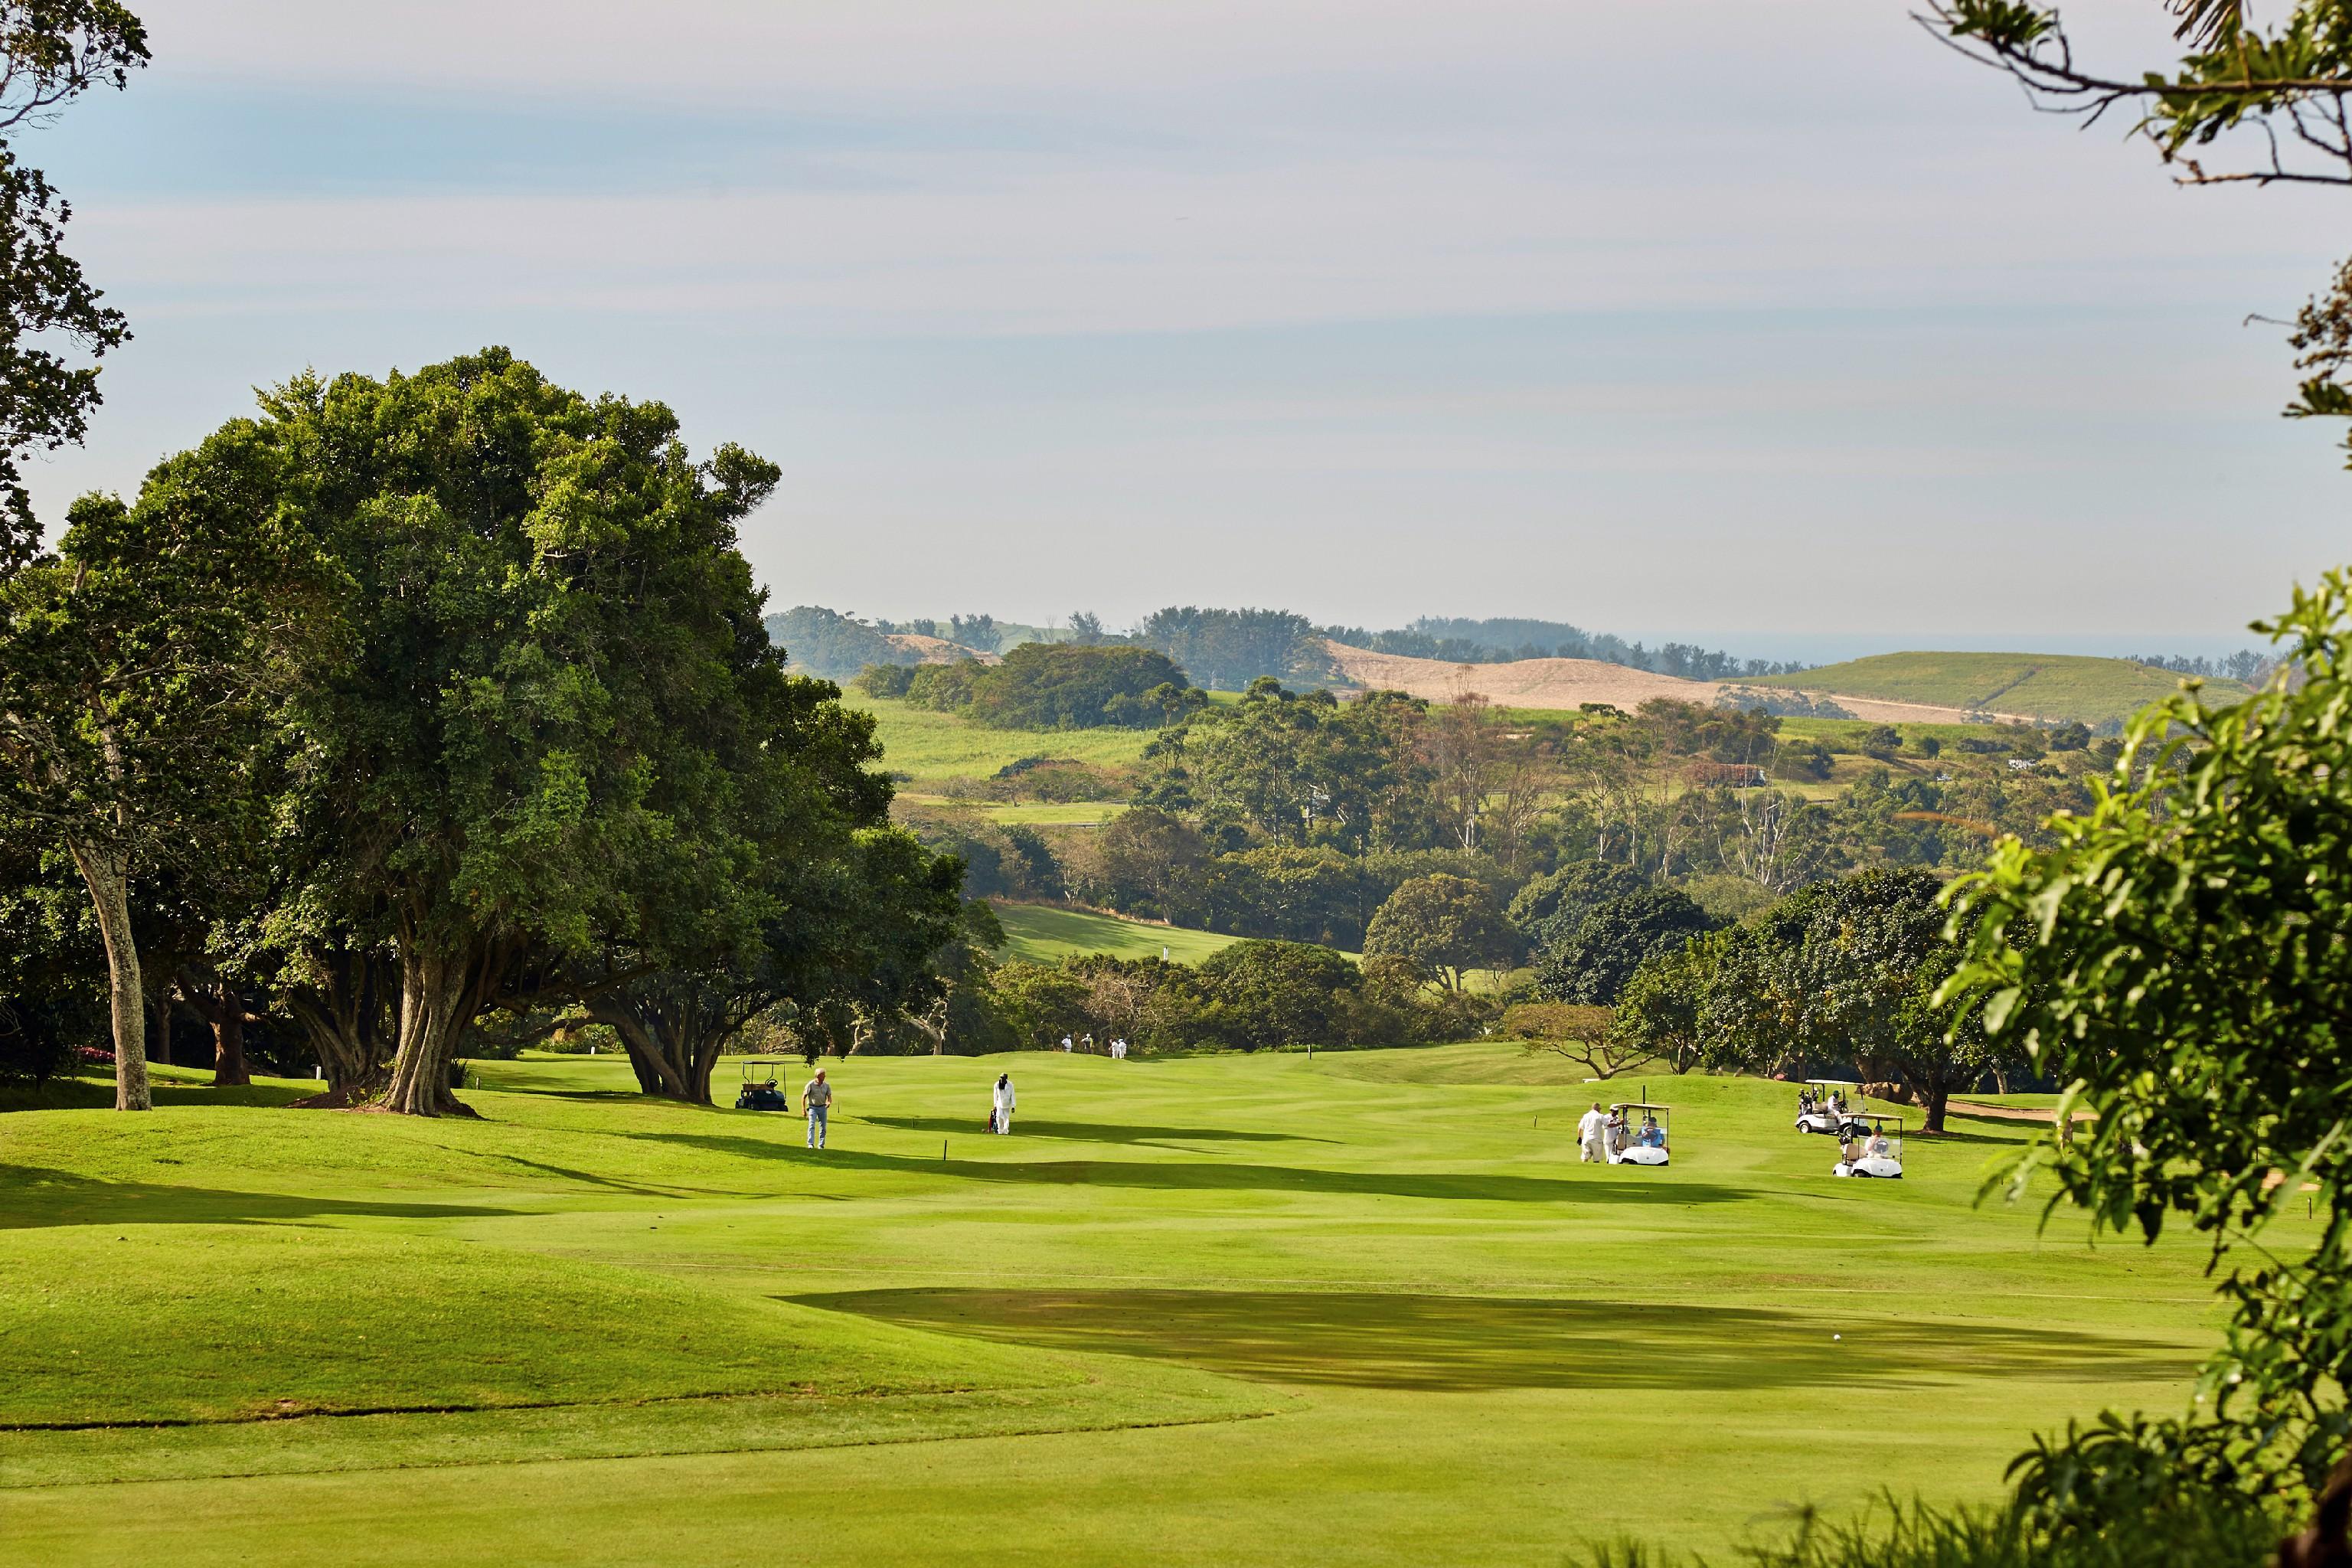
(1876, 1150)
(1638, 1134)
(1830, 1105)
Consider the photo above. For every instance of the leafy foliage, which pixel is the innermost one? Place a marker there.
(51, 51)
(2209, 1533)
(2178, 958)
(1442, 925)
(1227, 649)
(1072, 686)
(832, 645)
(1600, 954)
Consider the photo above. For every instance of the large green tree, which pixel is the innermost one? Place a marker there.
(1262, 994)
(1862, 980)
(1070, 686)
(1300, 768)
(1442, 926)
(522, 743)
(857, 923)
(1592, 963)
(134, 684)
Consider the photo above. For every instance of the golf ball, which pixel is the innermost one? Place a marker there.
(1837, 1336)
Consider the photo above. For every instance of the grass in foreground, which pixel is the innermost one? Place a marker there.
(1363, 1310)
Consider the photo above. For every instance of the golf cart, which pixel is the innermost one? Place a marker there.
(759, 1091)
(1642, 1144)
(1827, 1105)
(1859, 1159)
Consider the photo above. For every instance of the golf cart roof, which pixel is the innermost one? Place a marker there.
(1639, 1105)
(1880, 1119)
(1832, 1083)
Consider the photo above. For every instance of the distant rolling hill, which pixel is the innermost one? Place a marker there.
(2037, 686)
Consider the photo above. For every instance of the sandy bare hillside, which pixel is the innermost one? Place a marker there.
(1523, 683)
(1572, 683)
(938, 650)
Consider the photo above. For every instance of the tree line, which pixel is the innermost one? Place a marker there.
(1047, 686)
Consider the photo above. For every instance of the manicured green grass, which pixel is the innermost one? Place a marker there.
(1045, 934)
(930, 747)
(1365, 1309)
(2041, 686)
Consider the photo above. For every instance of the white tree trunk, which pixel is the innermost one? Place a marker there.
(107, 874)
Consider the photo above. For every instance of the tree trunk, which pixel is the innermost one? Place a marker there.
(107, 874)
(230, 1071)
(434, 1008)
(341, 1009)
(672, 1058)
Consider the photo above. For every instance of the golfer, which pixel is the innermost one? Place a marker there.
(816, 1098)
(1589, 1129)
(1003, 1102)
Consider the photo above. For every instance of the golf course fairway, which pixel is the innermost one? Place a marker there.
(1362, 1309)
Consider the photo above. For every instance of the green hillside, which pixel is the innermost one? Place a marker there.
(930, 747)
(1045, 934)
(2041, 686)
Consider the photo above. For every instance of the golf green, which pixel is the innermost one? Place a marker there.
(1366, 1308)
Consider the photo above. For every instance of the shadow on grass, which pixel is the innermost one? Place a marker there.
(32, 1196)
(1090, 1132)
(1202, 1175)
(1466, 1344)
(91, 1094)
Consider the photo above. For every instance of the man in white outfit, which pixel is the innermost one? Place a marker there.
(1003, 1102)
(1590, 1128)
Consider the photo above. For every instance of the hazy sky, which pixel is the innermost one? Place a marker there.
(1772, 324)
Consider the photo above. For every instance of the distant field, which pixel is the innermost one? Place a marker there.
(2041, 686)
(1044, 934)
(1033, 813)
(931, 747)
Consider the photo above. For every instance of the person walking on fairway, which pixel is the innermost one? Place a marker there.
(1590, 1127)
(1003, 1102)
(816, 1098)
